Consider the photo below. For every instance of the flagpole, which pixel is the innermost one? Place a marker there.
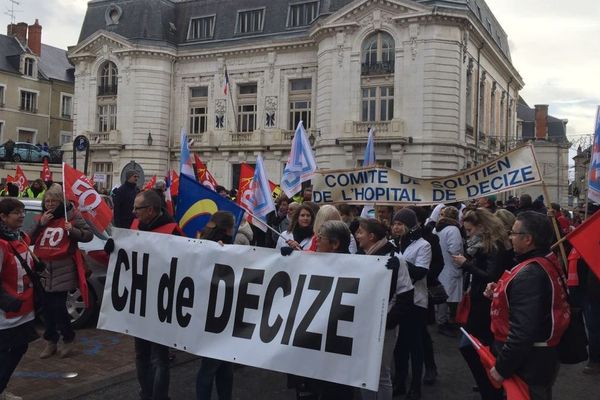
(228, 87)
(254, 217)
(64, 193)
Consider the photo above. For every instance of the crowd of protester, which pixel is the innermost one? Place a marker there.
(441, 258)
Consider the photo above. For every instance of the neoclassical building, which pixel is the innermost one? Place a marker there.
(434, 78)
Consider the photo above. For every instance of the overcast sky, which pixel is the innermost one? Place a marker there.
(554, 46)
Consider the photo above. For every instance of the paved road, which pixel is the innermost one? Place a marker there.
(105, 370)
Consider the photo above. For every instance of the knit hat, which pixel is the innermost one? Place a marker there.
(129, 174)
(407, 217)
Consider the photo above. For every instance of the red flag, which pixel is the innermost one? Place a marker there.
(245, 184)
(46, 174)
(515, 387)
(20, 179)
(150, 183)
(203, 174)
(80, 191)
(9, 179)
(174, 183)
(586, 239)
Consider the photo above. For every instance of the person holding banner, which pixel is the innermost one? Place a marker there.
(300, 231)
(16, 293)
(488, 250)
(371, 237)
(57, 231)
(219, 229)
(151, 359)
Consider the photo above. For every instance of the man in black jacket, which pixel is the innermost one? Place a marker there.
(529, 309)
(123, 198)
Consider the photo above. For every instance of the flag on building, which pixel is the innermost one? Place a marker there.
(150, 183)
(185, 164)
(594, 174)
(226, 85)
(46, 174)
(79, 190)
(203, 174)
(585, 239)
(20, 179)
(301, 164)
(196, 204)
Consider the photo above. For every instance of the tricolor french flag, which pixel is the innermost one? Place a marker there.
(226, 86)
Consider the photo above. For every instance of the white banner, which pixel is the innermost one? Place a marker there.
(310, 314)
(514, 169)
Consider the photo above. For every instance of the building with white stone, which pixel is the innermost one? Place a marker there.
(434, 78)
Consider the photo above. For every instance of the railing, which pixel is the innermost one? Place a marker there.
(380, 68)
(238, 137)
(111, 137)
(361, 128)
(107, 90)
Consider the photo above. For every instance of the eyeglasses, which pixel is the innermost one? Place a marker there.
(139, 208)
(517, 233)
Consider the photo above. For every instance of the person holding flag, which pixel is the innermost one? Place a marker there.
(526, 333)
(65, 269)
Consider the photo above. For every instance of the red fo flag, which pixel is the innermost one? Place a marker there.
(150, 183)
(80, 191)
(245, 186)
(174, 183)
(20, 179)
(9, 179)
(586, 239)
(46, 174)
(515, 387)
(203, 174)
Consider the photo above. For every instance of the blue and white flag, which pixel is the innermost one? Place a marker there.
(301, 164)
(369, 158)
(185, 164)
(261, 202)
(594, 175)
(368, 210)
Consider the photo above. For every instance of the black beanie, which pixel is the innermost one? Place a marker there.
(407, 217)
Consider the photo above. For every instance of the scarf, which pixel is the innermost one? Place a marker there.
(9, 234)
(378, 245)
(474, 245)
(302, 233)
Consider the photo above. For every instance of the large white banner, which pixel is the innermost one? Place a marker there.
(310, 314)
(517, 168)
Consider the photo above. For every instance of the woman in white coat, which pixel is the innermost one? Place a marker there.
(300, 231)
(451, 241)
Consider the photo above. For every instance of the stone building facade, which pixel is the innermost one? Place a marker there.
(434, 78)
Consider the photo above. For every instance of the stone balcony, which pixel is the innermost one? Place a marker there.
(110, 137)
(384, 130)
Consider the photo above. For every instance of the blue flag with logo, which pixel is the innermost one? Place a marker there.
(196, 204)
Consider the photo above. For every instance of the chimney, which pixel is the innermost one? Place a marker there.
(34, 39)
(541, 122)
(20, 32)
(10, 29)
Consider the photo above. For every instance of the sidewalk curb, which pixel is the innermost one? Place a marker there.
(123, 375)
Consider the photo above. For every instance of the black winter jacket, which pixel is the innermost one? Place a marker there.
(530, 321)
(123, 198)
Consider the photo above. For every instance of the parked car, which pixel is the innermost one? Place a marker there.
(96, 262)
(27, 152)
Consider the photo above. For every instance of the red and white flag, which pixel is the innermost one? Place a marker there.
(203, 174)
(150, 183)
(90, 204)
(46, 174)
(20, 179)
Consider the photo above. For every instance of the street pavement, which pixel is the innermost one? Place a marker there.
(103, 368)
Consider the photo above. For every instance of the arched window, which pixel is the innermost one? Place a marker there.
(378, 54)
(108, 81)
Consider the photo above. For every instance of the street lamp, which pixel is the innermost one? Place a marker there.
(311, 140)
(149, 139)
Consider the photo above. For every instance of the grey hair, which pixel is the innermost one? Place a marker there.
(337, 231)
